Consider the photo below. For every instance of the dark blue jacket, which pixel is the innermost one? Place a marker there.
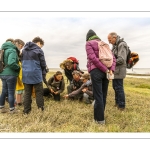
(33, 64)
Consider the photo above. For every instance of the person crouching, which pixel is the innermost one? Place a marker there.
(86, 88)
(56, 85)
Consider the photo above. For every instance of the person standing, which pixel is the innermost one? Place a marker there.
(19, 86)
(120, 50)
(33, 69)
(9, 76)
(97, 72)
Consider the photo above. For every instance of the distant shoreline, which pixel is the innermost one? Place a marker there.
(128, 74)
(136, 74)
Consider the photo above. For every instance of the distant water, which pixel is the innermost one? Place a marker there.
(139, 71)
(133, 70)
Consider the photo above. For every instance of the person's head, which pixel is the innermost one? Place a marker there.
(37, 40)
(66, 64)
(85, 77)
(112, 37)
(58, 75)
(19, 43)
(10, 40)
(76, 75)
(90, 34)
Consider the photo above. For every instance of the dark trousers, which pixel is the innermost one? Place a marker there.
(38, 95)
(47, 92)
(119, 92)
(100, 87)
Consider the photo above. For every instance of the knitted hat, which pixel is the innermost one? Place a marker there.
(90, 34)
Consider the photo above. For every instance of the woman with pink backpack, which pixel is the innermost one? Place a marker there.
(98, 72)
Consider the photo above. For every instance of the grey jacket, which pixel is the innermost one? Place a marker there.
(121, 56)
(56, 85)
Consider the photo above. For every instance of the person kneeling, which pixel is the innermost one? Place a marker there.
(56, 85)
(86, 88)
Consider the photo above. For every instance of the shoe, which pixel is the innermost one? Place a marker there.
(14, 111)
(100, 122)
(3, 110)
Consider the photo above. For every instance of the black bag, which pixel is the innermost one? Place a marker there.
(2, 66)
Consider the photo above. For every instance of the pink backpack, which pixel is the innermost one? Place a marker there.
(105, 54)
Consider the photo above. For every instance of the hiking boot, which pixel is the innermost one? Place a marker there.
(100, 122)
(3, 110)
(14, 111)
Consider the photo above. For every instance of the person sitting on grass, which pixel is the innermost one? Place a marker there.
(86, 88)
(56, 85)
(75, 84)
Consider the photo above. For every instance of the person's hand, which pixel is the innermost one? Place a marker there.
(84, 90)
(107, 71)
(52, 91)
(56, 93)
(65, 96)
(110, 72)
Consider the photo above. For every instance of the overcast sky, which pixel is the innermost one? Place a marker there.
(64, 33)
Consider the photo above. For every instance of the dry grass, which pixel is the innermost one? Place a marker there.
(74, 116)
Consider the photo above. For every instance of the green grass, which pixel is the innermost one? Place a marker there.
(74, 116)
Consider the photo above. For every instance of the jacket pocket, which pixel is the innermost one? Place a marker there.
(117, 70)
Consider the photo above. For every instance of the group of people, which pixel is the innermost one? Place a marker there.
(25, 70)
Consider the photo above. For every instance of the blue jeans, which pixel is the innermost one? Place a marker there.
(100, 88)
(8, 87)
(119, 92)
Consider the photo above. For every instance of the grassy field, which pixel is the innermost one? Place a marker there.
(73, 116)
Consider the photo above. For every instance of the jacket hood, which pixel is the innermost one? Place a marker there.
(30, 46)
(8, 45)
(119, 39)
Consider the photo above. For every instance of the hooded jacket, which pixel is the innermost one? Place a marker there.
(11, 59)
(33, 64)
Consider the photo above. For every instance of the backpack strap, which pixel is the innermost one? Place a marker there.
(74, 66)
